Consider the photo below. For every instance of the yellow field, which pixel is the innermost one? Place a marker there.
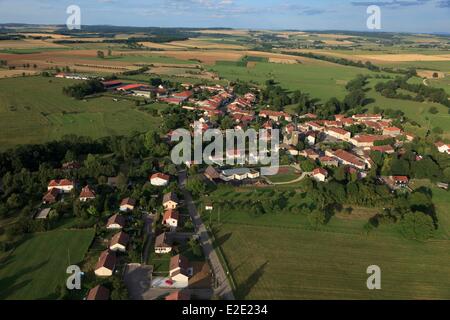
(203, 44)
(15, 73)
(28, 44)
(404, 57)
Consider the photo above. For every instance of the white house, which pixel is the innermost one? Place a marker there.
(87, 194)
(443, 148)
(106, 264)
(115, 222)
(119, 242)
(162, 244)
(63, 185)
(127, 204)
(159, 179)
(171, 218)
(180, 269)
(320, 174)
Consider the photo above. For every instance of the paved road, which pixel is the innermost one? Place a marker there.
(148, 229)
(224, 288)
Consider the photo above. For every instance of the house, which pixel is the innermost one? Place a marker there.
(116, 222)
(131, 87)
(211, 173)
(63, 185)
(238, 174)
(366, 140)
(111, 84)
(170, 201)
(275, 115)
(178, 296)
(162, 244)
(308, 116)
(99, 293)
(127, 204)
(310, 139)
(106, 264)
(51, 196)
(320, 174)
(367, 117)
(442, 147)
(292, 151)
(180, 269)
(392, 131)
(209, 206)
(346, 158)
(170, 218)
(159, 179)
(329, 161)
(43, 214)
(338, 133)
(401, 180)
(310, 154)
(119, 242)
(388, 149)
(87, 194)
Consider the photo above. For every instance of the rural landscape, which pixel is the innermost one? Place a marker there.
(87, 119)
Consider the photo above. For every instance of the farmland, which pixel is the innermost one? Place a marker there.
(28, 115)
(279, 256)
(38, 265)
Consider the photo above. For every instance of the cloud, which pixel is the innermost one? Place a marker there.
(444, 4)
(392, 4)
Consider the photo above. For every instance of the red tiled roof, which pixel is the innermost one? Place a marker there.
(60, 183)
(128, 201)
(98, 293)
(86, 192)
(170, 214)
(132, 86)
(120, 238)
(320, 171)
(116, 219)
(107, 260)
(401, 179)
(160, 176)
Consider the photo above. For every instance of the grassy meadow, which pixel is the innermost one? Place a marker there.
(34, 110)
(38, 265)
(279, 256)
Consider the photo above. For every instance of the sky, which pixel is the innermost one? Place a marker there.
(416, 16)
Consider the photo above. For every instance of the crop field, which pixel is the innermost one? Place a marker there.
(38, 265)
(279, 256)
(320, 80)
(28, 115)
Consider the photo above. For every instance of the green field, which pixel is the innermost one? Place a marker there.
(279, 256)
(320, 79)
(34, 110)
(38, 265)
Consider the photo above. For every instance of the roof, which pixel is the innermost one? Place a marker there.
(116, 219)
(212, 172)
(120, 238)
(106, 260)
(160, 176)
(326, 159)
(179, 261)
(401, 178)
(385, 148)
(320, 171)
(184, 94)
(338, 130)
(60, 183)
(393, 129)
(367, 115)
(43, 214)
(178, 295)
(132, 86)
(51, 195)
(171, 196)
(98, 293)
(111, 83)
(236, 171)
(171, 214)
(365, 138)
(128, 202)
(348, 157)
(272, 113)
(86, 192)
(161, 241)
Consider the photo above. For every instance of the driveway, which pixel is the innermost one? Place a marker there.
(138, 279)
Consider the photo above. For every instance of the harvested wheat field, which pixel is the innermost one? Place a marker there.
(154, 45)
(430, 74)
(15, 73)
(28, 44)
(204, 44)
(404, 57)
(208, 57)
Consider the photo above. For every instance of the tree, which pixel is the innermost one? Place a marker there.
(119, 290)
(196, 186)
(195, 247)
(417, 226)
(100, 54)
(317, 218)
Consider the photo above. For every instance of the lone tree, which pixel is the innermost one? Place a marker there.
(100, 54)
(417, 226)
